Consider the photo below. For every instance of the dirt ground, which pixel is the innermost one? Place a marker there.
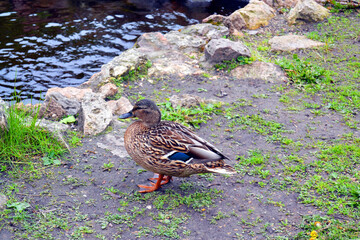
(81, 200)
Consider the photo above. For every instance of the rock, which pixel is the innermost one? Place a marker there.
(115, 142)
(155, 41)
(70, 105)
(69, 92)
(177, 64)
(281, 3)
(260, 70)
(3, 119)
(128, 60)
(218, 50)
(120, 106)
(95, 115)
(308, 11)
(108, 90)
(209, 31)
(256, 14)
(3, 201)
(235, 22)
(189, 39)
(51, 109)
(292, 42)
(188, 100)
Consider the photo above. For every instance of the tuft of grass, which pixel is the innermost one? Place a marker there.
(190, 117)
(134, 74)
(302, 71)
(25, 140)
(230, 65)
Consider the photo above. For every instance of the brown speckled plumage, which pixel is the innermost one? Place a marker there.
(155, 145)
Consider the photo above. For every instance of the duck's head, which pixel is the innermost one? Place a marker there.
(146, 110)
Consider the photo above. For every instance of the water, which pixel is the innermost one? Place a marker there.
(45, 44)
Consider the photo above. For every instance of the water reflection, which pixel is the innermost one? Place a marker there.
(46, 44)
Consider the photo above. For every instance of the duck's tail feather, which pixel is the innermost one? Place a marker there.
(226, 169)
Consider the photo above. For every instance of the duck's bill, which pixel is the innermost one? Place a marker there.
(126, 115)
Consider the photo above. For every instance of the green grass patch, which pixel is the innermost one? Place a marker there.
(232, 64)
(190, 117)
(302, 71)
(25, 141)
(324, 227)
(133, 74)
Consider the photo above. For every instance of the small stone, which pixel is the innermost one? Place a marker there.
(3, 201)
(108, 90)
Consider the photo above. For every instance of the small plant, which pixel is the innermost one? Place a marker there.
(133, 74)
(302, 71)
(230, 65)
(74, 139)
(108, 166)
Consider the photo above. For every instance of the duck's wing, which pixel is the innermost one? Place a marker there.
(180, 143)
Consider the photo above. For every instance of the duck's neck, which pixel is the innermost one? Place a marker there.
(151, 122)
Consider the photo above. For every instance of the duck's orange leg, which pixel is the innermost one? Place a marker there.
(165, 180)
(155, 186)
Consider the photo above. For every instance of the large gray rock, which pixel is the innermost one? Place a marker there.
(51, 109)
(95, 115)
(292, 42)
(70, 105)
(308, 11)
(260, 70)
(218, 50)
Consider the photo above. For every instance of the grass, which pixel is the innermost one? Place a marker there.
(133, 74)
(302, 71)
(314, 169)
(232, 64)
(25, 142)
(190, 117)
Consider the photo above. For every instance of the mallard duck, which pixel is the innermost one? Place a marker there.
(168, 148)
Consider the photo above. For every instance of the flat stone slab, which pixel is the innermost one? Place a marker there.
(260, 70)
(292, 42)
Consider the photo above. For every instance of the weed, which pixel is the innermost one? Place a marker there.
(230, 65)
(302, 71)
(108, 166)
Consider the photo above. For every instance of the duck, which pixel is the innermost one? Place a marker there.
(167, 148)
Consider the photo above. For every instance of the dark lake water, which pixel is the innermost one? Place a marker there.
(45, 44)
